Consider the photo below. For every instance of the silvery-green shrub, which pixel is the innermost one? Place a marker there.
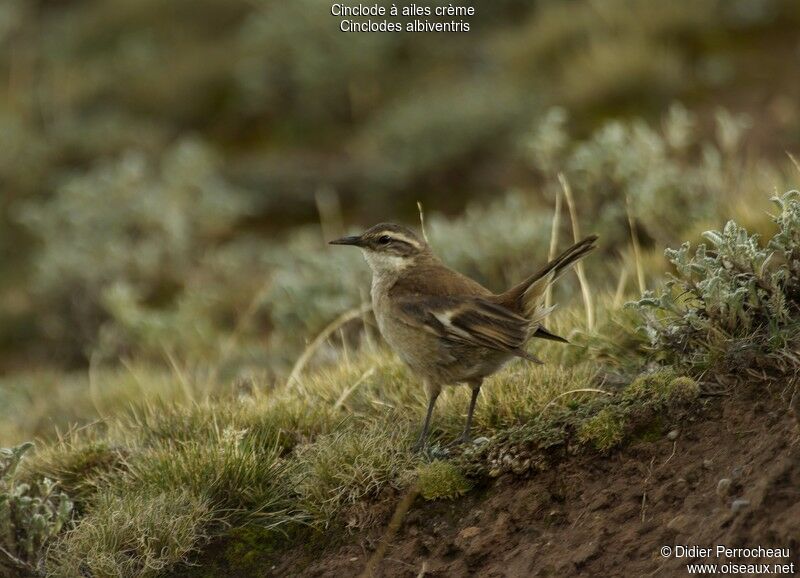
(732, 303)
(31, 514)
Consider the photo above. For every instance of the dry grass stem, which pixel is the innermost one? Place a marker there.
(551, 254)
(794, 161)
(619, 293)
(308, 352)
(570, 392)
(422, 221)
(637, 252)
(391, 530)
(579, 269)
(347, 392)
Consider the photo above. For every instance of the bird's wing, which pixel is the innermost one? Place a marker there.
(467, 320)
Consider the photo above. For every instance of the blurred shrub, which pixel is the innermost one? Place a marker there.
(144, 250)
(138, 255)
(438, 127)
(732, 306)
(130, 227)
(314, 81)
(497, 243)
(31, 515)
(664, 174)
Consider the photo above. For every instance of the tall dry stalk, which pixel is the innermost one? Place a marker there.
(335, 325)
(637, 252)
(619, 294)
(422, 221)
(794, 161)
(548, 296)
(579, 270)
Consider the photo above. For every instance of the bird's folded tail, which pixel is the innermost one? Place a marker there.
(527, 297)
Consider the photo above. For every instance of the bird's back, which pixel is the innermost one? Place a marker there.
(434, 279)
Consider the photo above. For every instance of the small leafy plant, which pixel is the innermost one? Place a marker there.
(733, 305)
(30, 516)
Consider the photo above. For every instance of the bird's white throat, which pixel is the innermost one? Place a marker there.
(385, 263)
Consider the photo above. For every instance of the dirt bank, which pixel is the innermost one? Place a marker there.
(731, 477)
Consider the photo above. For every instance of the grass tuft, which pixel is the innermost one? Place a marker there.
(348, 466)
(77, 464)
(133, 535)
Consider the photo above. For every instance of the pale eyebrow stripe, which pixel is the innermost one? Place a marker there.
(400, 237)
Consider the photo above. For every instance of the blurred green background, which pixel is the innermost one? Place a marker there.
(169, 171)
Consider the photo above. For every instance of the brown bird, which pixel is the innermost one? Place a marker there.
(446, 327)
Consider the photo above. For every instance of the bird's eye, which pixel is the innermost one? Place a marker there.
(384, 239)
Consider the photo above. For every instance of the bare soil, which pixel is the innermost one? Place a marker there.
(600, 515)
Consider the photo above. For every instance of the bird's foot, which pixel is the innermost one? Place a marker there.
(460, 440)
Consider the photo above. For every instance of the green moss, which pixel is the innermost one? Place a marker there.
(441, 480)
(605, 430)
(661, 387)
(249, 545)
(683, 389)
(248, 549)
(649, 386)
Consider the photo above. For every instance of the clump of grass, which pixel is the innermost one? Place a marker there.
(349, 466)
(283, 419)
(133, 534)
(440, 480)
(76, 463)
(171, 495)
(605, 430)
(240, 476)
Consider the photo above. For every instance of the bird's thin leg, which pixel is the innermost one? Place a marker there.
(465, 435)
(433, 395)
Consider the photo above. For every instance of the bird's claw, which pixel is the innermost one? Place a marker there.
(460, 440)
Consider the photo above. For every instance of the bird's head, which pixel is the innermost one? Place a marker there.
(388, 248)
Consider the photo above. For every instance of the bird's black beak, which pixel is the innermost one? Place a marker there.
(351, 240)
